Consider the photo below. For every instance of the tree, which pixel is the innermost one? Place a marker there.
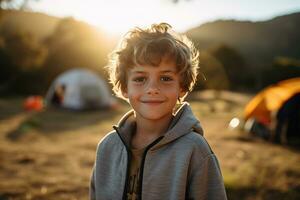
(21, 58)
(14, 4)
(212, 74)
(233, 63)
(75, 44)
(280, 69)
(25, 51)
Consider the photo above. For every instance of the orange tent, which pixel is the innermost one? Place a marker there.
(271, 99)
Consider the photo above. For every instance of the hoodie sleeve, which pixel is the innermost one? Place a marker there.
(92, 185)
(205, 179)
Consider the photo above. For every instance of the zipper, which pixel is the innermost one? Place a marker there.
(124, 196)
(140, 184)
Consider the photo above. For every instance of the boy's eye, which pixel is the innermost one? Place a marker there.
(139, 79)
(166, 78)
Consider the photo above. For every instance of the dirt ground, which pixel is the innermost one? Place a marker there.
(50, 154)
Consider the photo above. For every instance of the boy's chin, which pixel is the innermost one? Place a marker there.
(154, 116)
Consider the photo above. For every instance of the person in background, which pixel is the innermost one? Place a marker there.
(58, 96)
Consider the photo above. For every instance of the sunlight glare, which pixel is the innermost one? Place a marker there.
(234, 123)
(118, 16)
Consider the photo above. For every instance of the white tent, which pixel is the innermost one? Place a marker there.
(83, 89)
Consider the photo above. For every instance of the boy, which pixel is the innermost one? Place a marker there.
(155, 152)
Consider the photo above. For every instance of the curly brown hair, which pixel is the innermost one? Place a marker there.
(148, 47)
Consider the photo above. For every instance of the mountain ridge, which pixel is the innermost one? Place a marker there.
(259, 42)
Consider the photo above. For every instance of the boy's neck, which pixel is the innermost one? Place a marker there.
(149, 130)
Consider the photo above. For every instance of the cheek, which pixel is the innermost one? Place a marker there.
(172, 91)
(134, 91)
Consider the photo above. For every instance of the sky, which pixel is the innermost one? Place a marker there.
(118, 16)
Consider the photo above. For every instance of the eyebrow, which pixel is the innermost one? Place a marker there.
(168, 71)
(163, 72)
(138, 72)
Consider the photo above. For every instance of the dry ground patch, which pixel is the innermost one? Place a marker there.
(49, 155)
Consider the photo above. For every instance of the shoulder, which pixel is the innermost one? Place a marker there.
(198, 144)
(202, 155)
(108, 140)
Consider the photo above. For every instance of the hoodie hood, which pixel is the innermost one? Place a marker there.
(183, 122)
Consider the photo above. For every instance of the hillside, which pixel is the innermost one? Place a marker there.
(246, 55)
(258, 42)
(36, 48)
(38, 24)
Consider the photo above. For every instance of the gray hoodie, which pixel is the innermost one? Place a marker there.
(178, 165)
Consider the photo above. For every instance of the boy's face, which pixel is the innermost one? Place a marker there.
(154, 90)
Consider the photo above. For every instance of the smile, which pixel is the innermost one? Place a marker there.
(152, 102)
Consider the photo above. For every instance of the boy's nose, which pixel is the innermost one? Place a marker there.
(152, 91)
(152, 88)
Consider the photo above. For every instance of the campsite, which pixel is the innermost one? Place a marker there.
(56, 100)
(276, 109)
(50, 154)
(82, 89)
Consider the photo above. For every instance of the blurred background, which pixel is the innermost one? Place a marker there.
(56, 102)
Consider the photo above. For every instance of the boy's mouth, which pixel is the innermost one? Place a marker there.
(152, 101)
